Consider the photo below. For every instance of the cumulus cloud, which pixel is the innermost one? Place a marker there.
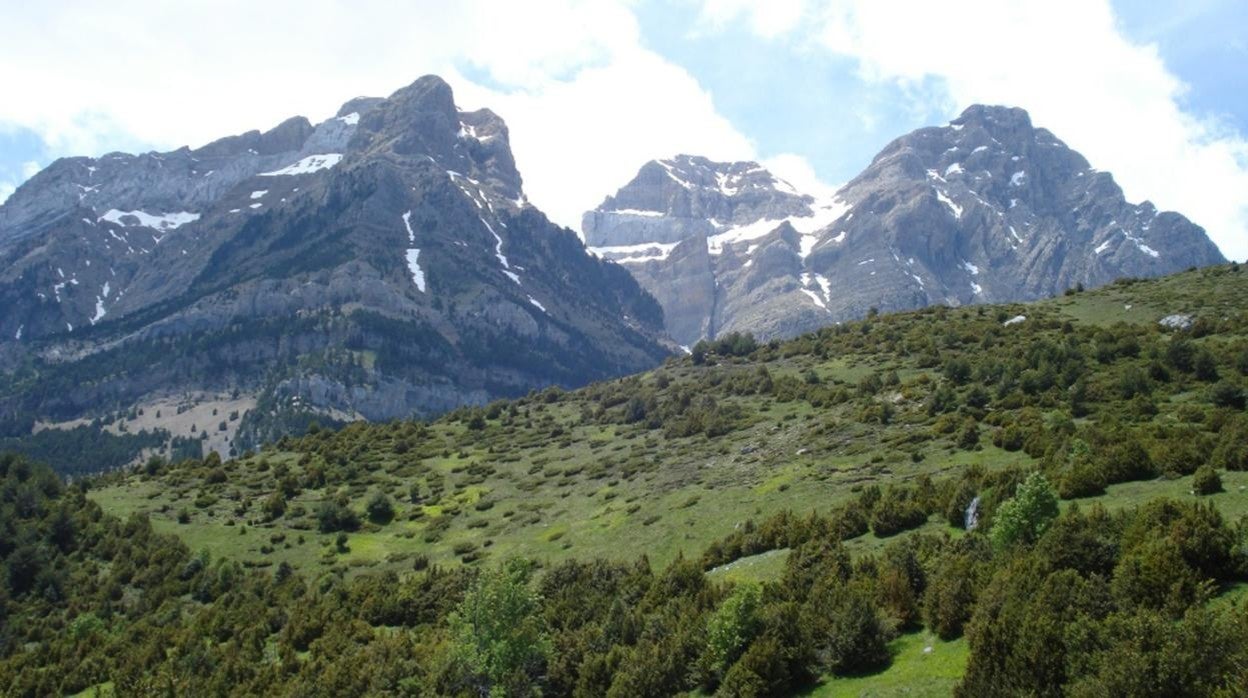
(1065, 61)
(585, 101)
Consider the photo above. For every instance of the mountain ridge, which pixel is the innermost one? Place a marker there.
(384, 263)
(987, 192)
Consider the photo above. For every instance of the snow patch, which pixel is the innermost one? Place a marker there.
(1014, 320)
(629, 254)
(955, 168)
(1102, 247)
(308, 165)
(259, 193)
(637, 212)
(407, 223)
(970, 268)
(413, 267)
(162, 222)
(539, 306)
(498, 246)
(1016, 179)
(825, 285)
(815, 297)
(953, 208)
(350, 119)
(99, 310)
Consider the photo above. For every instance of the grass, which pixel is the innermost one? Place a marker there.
(922, 665)
(568, 478)
(760, 568)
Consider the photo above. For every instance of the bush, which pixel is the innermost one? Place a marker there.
(336, 516)
(379, 509)
(950, 596)
(1227, 394)
(1206, 481)
(896, 511)
(275, 506)
(1082, 480)
(845, 629)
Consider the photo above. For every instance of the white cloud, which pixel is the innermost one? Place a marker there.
(580, 140)
(769, 19)
(6, 190)
(1066, 62)
(29, 168)
(797, 170)
(586, 103)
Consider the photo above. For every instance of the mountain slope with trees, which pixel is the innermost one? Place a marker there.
(1030, 490)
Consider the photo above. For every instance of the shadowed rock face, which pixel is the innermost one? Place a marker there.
(382, 263)
(985, 209)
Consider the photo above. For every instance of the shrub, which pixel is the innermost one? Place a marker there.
(379, 509)
(336, 516)
(846, 631)
(949, 598)
(1206, 481)
(275, 506)
(1227, 394)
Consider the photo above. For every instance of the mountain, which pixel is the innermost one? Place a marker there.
(383, 263)
(891, 485)
(985, 209)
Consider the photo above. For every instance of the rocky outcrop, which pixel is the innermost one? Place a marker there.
(382, 263)
(985, 209)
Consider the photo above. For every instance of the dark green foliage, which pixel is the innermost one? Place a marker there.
(1089, 602)
(334, 516)
(897, 510)
(845, 628)
(84, 449)
(1206, 481)
(380, 510)
(950, 595)
(1224, 393)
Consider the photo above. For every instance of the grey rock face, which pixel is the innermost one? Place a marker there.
(985, 209)
(382, 263)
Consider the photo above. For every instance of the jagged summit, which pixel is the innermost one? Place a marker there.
(986, 208)
(707, 197)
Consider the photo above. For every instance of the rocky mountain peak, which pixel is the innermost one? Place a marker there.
(988, 208)
(391, 244)
(672, 199)
(994, 118)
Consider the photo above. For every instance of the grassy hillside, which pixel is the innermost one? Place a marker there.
(666, 462)
(750, 520)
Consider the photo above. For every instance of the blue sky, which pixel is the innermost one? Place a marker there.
(771, 88)
(1156, 93)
